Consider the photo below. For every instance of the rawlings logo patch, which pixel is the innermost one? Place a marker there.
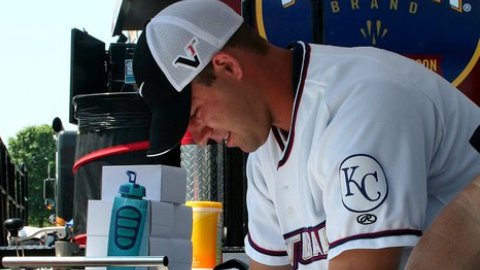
(366, 219)
(363, 183)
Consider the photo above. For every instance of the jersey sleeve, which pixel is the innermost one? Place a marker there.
(264, 242)
(377, 151)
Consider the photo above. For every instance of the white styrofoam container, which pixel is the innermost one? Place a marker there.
(161, 182)
(168, 230)
(164, 220)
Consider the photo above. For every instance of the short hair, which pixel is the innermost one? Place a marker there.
(244, 38)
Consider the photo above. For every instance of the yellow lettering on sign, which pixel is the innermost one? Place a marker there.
(355, 4)
(411, 5)
(335, 6)
(394, 4)
(413, 8)
(431, 64)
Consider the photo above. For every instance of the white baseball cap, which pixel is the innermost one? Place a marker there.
(173, 49)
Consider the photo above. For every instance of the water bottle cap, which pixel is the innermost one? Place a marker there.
(131, 188)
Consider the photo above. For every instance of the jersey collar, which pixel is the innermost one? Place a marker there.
(301, 58)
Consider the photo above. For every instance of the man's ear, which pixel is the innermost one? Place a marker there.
(227, 64)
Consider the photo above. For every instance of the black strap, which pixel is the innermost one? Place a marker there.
(475, 139)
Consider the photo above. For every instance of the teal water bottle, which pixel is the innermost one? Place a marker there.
(127, 221)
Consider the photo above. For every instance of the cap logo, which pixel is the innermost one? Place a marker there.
(191, 60)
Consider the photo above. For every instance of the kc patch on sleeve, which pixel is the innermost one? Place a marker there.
(363, 183)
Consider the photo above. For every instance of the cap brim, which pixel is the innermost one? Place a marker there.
(169, 122)
(170, 109)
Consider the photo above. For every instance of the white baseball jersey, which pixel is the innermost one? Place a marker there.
(378, 146)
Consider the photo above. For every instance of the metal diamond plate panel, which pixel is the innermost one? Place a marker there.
(200, 162)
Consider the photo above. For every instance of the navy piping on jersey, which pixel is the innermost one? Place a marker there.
(275, 253)
(301, 230)
(376, 235)
(278, 138)
(301, 52)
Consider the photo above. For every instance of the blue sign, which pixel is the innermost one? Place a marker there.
(441, 34)
(284, 21)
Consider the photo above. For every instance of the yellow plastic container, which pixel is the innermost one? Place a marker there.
(204, 232)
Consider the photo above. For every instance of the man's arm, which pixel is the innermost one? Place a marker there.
(365, 259)
(452, 241)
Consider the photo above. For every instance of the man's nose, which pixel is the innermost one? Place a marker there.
(199, 131)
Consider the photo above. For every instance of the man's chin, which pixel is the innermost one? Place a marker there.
(250, 148)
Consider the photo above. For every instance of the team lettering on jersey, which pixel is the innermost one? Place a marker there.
(307, 245)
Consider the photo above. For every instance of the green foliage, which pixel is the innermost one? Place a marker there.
(34, 147)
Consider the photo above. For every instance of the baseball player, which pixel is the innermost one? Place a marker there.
(353, 151)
